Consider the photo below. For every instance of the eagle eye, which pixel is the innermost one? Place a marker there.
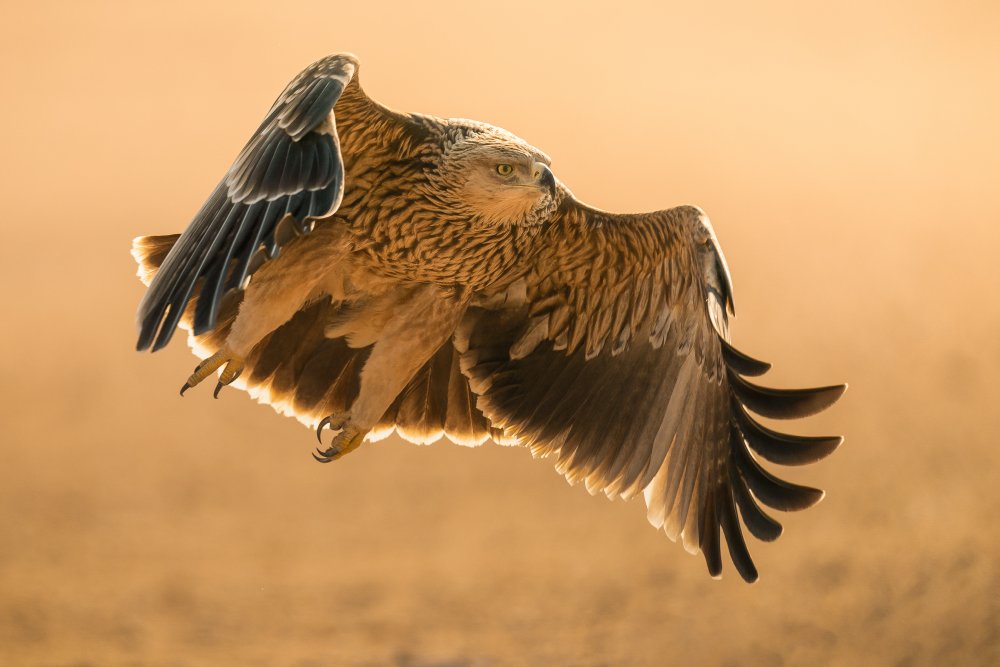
(505, 169)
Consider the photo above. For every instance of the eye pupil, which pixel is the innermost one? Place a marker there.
(504, 169)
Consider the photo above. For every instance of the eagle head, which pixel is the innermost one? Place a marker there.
(498, 178)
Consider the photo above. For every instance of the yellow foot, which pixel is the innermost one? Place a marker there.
(349, 438)
(233, 368)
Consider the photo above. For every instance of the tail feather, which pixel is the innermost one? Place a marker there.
(149, 252)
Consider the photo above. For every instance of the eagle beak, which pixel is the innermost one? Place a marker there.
(543, 176)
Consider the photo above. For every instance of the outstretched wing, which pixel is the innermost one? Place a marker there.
(291, 169)
(617, 362)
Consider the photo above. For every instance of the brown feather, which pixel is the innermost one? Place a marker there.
(646, 390)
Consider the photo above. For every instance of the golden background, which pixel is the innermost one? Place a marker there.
(849, 157)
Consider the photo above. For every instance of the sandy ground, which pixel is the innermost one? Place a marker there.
(849, 160)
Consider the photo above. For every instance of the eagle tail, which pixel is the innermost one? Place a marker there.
(149, 252)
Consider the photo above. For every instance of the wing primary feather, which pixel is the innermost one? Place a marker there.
(782, 448)
(207, 308)
(770, 490)
(271, 180)
(711, 546)
(707, 444)
(187, 277)
(784, 403)
(253, 187)
(680, 455)
(760, 525)
(734, 537)
(175, 268)
(324, 163)
(291, 175)
(251, 221)
(668, 427)
(308, 163)
(740, 362)
(268, 218)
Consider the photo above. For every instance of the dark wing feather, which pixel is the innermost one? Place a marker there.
(618, 364)
(291, 167)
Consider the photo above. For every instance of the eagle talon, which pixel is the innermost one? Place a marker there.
(349, 439)
(337, 421)
(226, 380)
(231, 364)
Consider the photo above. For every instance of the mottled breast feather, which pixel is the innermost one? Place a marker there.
(412, 227)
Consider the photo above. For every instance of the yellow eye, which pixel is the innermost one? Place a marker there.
(505, 169)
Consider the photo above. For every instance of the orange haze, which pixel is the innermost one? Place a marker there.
(849, 157)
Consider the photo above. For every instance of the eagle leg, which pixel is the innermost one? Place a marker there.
(233, 367)
(398, 353)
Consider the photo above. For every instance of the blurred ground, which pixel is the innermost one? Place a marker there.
(848, 157)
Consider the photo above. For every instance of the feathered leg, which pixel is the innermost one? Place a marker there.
(420, 323)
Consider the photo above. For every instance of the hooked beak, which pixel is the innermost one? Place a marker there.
(543, 176)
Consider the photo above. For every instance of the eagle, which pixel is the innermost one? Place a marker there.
(369, 271)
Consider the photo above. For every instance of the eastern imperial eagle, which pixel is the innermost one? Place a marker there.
(434, 278)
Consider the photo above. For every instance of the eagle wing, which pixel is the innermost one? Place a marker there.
(613, 357)
(290, 170)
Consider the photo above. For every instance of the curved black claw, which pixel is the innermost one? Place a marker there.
(185, 388)
(226, 383)
(319, 430)
(324, 457)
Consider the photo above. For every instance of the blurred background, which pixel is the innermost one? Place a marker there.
(848, 155)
